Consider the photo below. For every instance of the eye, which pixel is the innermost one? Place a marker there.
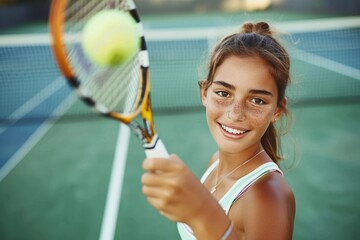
(223, 94)
(257, 101)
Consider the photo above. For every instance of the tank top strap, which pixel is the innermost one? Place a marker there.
(234, 193)
(241, 185)
(209, 170)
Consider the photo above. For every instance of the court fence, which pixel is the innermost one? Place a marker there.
(325, 57)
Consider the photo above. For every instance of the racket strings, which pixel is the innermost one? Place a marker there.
(79, 11)
(117, 89)
(82, 10)
(118, 95)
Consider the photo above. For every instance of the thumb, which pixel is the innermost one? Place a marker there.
(161, 164)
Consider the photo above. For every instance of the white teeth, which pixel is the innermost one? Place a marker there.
(232, 130)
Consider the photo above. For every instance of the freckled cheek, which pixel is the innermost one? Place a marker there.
(216, 106)
(214, 111)
(259, 117)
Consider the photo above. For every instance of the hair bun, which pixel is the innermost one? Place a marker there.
(261, 28)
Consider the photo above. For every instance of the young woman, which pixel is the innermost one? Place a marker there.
(243, 194)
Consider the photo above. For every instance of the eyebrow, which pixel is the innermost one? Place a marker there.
(263, 92)
(252, 91)
(225, 84)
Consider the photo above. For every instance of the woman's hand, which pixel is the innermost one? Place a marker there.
(176, 193)
(173, 189)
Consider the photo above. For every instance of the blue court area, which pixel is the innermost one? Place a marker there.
(57, 157)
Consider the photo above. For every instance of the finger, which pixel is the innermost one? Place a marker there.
(155, 199)
(163, 209)
(152, 179)
(161, 164)
(152, 192)
(160, 190)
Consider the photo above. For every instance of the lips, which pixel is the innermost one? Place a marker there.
(233, 131)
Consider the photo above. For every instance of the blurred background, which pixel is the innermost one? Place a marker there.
(57, 158)
(14, 12)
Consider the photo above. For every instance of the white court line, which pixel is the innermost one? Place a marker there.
(35, 138)
(35, 101)
(328, 64)
(115, 186)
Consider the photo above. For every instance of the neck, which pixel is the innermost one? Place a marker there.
(218, 179)
(229, 161)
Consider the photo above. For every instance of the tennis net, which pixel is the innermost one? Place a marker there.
(325, 66)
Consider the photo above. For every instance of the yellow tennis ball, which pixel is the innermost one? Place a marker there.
(110, 38)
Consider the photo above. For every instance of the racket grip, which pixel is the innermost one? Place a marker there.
(156, 149)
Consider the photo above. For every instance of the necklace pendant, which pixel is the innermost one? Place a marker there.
(213, 189)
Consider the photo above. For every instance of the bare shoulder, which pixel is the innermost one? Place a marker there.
(272, 189)
(269, 205)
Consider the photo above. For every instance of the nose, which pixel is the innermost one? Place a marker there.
(236, 112)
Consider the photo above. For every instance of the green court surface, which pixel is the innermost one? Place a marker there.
(58, 188)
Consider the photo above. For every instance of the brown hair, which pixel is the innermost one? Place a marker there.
(256, 40)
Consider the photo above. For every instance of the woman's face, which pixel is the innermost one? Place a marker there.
(240, 103)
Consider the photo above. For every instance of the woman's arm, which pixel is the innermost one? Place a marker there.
(267, 209)
(176, 192)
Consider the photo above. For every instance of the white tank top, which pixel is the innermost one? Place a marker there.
(234, 193)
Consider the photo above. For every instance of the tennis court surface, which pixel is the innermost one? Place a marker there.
(58, 162)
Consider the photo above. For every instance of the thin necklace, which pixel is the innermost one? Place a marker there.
(217, 183)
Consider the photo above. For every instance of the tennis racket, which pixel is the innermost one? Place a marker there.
(121, 92)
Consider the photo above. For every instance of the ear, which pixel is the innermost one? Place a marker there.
(280, 110)
(203, 96)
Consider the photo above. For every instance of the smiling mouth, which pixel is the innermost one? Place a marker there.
(232, 130)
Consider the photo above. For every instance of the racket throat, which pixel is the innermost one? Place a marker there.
(152, 143)
(153, 146)
(139, 132)
(156, 148)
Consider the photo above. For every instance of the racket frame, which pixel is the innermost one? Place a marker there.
(147, 134)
